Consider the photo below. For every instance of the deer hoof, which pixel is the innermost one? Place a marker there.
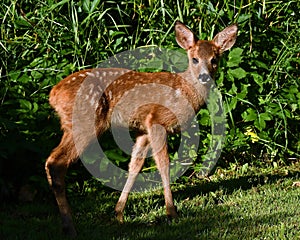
(70, 231)
(172, 214)
(119, 217)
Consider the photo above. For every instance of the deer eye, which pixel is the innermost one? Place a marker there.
(214, 61)
(195, 60)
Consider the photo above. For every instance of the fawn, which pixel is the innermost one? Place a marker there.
(152, 122)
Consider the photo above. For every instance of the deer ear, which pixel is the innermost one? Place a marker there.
(226, 38)
(184, 36)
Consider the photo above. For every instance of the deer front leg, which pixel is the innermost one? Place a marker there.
(139, 153)
(158, 143)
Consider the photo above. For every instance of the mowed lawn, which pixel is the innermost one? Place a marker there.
(229, 205)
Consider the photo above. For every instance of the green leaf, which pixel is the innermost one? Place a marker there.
(249, 115)
(259, 80)
(57, 5)
(244, 17)
(232, 104)
(293, 89)
(235, 57)
(238, 73)
(24, 104)
(94, 5)
(35, 107)
(204, 117)
(192, 153)
(24, 78)
(244, 91)
(233, 89)
(260, 123)
(265, 116)
(186, 134)
(114, 154)
(261, 64)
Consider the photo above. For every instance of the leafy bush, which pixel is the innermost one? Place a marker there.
(44, 41)
(261, 85)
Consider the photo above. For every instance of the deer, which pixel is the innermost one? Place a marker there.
(152, 122)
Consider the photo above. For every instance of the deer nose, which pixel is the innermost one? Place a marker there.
(204, 78)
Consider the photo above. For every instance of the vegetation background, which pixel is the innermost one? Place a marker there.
(43, 41)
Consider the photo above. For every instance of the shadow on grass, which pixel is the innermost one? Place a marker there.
(94, 214)
(215, 222)
(212, 221)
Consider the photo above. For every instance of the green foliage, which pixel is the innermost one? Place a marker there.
(260, 83)
(41, 42)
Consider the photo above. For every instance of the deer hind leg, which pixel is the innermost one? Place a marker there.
(139, 153)
(56, 167)
(158, 142)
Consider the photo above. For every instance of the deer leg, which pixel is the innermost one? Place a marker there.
(139, 153)
(157, 137)
(56, 167)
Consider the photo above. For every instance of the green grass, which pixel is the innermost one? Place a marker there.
(231, 205)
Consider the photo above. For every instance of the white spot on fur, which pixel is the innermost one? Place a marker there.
(177, 92)
(117, 117)
(81, 75)
(93, 100)
(90, 74)
(91, 86)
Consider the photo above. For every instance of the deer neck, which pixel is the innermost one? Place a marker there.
(201, 90)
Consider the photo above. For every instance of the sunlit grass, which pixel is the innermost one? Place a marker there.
(229, 206)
